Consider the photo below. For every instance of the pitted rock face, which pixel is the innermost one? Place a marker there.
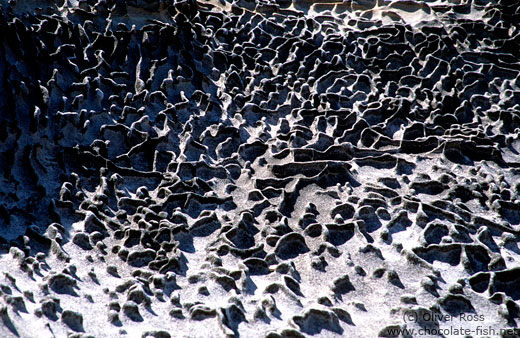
(258, 168)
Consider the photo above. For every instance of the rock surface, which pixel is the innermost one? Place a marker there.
(251, 168)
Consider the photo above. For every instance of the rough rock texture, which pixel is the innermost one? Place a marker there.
(278, 169)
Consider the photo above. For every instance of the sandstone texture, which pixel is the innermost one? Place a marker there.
(221, 168)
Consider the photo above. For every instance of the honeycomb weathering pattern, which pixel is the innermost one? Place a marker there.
(259, 169)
